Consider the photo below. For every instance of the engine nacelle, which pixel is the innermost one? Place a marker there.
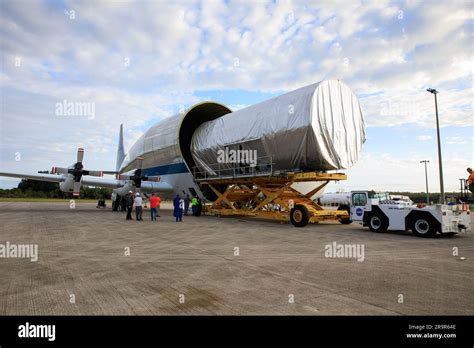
(122, 191)
(67, 185)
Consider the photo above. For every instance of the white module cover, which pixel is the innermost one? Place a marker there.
(317, 127)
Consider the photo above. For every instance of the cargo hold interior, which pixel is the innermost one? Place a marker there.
(195, 117)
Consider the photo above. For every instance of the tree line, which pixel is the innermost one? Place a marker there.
(420, 197)
(40, 189)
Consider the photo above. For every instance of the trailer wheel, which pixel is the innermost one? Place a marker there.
(299, 215)
(423, 226)
(377, 223)
(345, 221)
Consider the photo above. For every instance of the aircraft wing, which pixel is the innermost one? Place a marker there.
(93, 181)
(38, 177)
(102, 182)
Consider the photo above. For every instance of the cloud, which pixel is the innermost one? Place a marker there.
(457, 141)
(189, 46)
(424, 138)
(403, 173)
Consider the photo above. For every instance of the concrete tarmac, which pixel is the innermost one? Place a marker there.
(93, 261)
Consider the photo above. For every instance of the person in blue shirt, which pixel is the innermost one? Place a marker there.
(178, 210)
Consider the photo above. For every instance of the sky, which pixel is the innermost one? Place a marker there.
(138, 62)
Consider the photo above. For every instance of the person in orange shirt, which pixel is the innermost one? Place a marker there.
(154, 203)
(470, 180)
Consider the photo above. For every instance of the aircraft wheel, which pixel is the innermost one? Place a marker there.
(345, 221)
(299, 216)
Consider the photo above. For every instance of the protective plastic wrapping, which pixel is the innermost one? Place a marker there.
(317, 127)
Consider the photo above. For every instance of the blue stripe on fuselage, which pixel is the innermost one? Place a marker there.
(176, 168)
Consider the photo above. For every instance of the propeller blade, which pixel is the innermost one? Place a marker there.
(123, 177)
(95, 173)
(139, 162)
(80, 154)
(76, 189)
(59, 170)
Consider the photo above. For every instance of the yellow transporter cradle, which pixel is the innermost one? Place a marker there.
(272, 197)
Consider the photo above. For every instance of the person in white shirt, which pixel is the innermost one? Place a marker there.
(138, 206)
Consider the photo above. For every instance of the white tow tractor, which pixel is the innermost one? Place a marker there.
(376, 211)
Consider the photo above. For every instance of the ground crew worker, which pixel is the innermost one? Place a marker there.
(138, 207)
(194, 203)
(198, 207)
(470, 180)
(187, 200)
(178, 210)
(153, 205)
(129, 204)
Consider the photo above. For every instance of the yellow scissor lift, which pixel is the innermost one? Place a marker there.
(270, 196)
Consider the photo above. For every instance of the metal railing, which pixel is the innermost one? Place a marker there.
(263, 167)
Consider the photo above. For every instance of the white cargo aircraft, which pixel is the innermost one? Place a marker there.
(160, 161)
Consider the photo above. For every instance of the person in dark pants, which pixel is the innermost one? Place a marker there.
(129, 204)
(194, 203)
(123, 204)
(178, 210)
(199, 207)
(187, 200)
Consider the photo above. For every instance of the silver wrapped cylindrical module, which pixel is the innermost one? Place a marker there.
(317, 127)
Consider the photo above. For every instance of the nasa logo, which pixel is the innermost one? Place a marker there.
(359, 211)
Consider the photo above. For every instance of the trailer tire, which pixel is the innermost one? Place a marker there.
(348, 220)
(299, 215)
(377, 222)
(423, 226)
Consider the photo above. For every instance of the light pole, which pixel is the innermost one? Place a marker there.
(426, 179)
(440, 160)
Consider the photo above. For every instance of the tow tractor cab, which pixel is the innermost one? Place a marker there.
(376, 211)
